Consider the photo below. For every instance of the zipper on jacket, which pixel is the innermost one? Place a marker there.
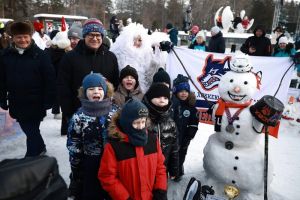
(158, 133)
(49, 180)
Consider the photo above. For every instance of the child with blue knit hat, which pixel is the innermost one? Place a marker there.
(87, 134)
(185, 116)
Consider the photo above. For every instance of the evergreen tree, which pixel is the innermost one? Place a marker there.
(265, 19)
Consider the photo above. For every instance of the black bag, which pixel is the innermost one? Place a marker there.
(193, 190)
(31, 178)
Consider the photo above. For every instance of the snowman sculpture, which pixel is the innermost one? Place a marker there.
(234, 154)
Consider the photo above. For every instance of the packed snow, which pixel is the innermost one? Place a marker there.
(283, 151)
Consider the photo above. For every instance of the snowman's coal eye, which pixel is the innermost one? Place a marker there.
(231, 80)
(246, 82)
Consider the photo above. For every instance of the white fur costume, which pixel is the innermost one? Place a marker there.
(143, 59)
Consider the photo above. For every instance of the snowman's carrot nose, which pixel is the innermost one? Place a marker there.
(237, 89)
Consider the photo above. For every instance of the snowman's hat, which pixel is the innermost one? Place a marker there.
(240, 63)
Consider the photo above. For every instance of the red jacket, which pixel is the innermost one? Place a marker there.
(129, 171)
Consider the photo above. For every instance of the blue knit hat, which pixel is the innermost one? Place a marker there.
(94, 80)
(93, 25)
(181, 83)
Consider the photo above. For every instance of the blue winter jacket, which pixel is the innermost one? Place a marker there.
(284, 53)
(87, 135)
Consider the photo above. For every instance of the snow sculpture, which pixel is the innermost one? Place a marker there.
(234, 155)
(225, 20)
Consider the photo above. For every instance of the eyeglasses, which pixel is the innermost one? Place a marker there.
(92, 36)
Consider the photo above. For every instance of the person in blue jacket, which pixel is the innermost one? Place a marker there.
(173, 32)
(87, 135)
(284, 48)
(199, 42)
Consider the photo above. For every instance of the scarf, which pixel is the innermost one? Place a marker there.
(136, 137)
(96, 108)
(221, 108)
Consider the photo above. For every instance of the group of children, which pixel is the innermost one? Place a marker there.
(125, 144)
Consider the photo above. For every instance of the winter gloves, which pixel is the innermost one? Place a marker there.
(159, 194)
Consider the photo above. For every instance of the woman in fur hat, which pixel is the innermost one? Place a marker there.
(87, 135)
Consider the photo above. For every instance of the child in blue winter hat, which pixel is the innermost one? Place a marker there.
(185, 116)
(87, 135)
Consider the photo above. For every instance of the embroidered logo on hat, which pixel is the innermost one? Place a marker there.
(143, 112)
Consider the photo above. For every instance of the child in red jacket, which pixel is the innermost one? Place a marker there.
(132, 166)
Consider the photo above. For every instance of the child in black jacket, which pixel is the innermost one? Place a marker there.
(185, 116)
(160, 123)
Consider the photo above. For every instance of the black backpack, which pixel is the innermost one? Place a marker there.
(193, 190)
(32, 178)
(196, 191)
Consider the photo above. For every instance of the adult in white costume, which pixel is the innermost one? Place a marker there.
(134, 47)
(234, 155)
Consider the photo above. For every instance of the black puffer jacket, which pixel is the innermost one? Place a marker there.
(163, 125)
(28, 82)
(217, 43)
(261, 44)
(75, 65)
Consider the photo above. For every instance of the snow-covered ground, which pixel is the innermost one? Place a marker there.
(284, 152)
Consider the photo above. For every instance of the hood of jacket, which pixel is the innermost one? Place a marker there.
(220, 34)
(190, 101)
(155, 114)
(261, 28)
(114, 132)
(123, 91)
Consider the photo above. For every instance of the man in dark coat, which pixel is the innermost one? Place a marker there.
(257, 45)
(27, 84)
(90, 55)
(216, 42)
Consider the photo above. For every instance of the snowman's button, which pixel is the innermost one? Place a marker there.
(233, 181)
(237, 133)
(238, 126)
(236, 157)
(229, 145)
(235, 168)
(237, 118)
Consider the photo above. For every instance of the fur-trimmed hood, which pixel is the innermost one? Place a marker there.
(114, 131)
(192, 99)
